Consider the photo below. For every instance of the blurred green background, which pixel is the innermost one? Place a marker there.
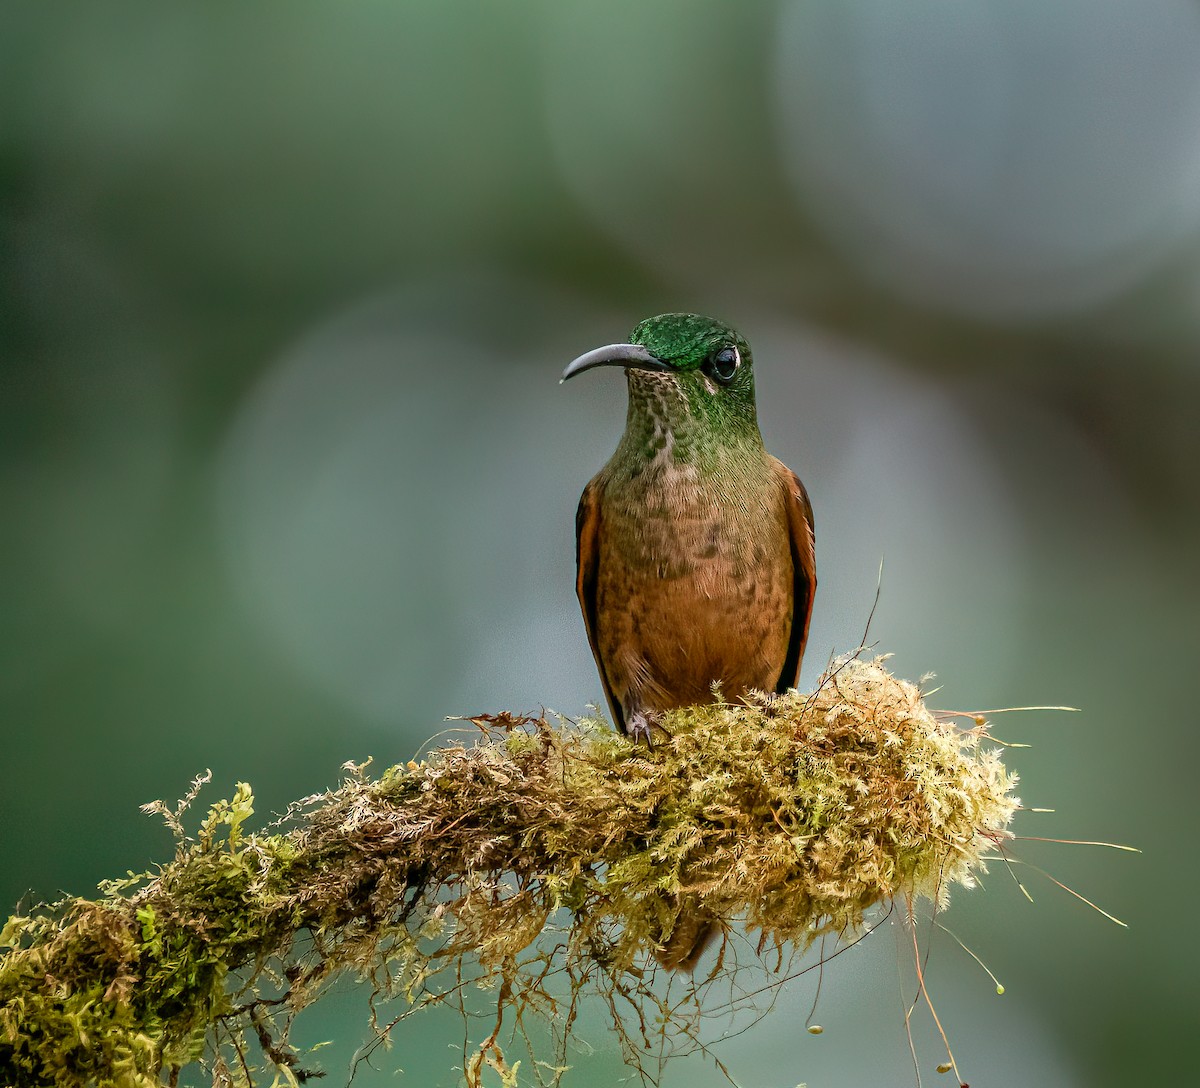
(287, 475)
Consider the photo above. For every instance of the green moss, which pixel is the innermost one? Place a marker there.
(787, 817)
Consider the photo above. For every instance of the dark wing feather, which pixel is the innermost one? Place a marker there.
(802, 539)
(587, 568)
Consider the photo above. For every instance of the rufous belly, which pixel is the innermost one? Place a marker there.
(718, 611)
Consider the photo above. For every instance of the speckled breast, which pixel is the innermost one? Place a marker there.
(694, 585)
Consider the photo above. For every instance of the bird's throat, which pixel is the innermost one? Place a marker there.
(673, 421)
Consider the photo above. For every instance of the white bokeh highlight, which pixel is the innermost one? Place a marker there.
(397, 512)
(898, 474)
(657, 127)
(1007, 159)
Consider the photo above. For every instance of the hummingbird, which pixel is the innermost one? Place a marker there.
(695, 551)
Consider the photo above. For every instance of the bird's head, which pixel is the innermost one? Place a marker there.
(705, 361)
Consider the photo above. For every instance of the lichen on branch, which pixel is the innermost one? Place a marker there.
(548, 860)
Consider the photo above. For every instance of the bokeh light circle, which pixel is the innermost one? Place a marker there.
(396, 501)
(1008, 159)
(658, 125)
(898, 475)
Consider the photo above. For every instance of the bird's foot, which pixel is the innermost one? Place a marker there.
(641, 727)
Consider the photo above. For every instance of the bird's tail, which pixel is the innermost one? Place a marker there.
(693, 933)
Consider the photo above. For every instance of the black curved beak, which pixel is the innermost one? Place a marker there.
(632, 356)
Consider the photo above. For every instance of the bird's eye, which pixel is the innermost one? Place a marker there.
(723, 364)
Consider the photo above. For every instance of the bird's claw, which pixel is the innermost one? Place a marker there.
(642, 728)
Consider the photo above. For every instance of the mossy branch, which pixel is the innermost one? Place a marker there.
(788, 816)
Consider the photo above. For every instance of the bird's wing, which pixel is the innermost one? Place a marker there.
(587, 567)
(802, 540)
